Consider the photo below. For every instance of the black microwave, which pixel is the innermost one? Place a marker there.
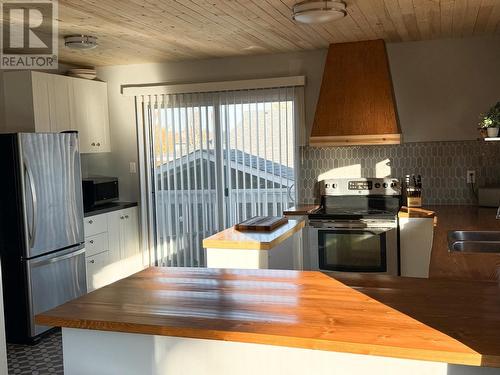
(99, 190)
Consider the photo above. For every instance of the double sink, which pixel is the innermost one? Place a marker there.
(474, 241)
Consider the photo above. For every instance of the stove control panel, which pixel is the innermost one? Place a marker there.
(360, 186)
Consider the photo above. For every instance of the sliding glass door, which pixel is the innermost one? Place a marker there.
(213, 160)
(258, 153)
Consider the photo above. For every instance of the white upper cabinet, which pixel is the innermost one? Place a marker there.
(42, 102)
(90, 114)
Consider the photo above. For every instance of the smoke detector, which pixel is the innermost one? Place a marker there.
(319, 11)
(80, 41)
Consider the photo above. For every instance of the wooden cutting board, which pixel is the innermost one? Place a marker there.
(261, 223)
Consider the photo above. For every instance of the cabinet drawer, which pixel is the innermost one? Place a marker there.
(95, 225)
(96, 244)
(96, 275)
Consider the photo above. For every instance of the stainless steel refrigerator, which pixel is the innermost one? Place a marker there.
(41, 228)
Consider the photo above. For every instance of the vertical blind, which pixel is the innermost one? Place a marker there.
(215, 159)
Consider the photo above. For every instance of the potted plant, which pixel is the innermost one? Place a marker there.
(491, 121)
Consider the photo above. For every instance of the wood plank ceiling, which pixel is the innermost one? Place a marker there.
(138, 31)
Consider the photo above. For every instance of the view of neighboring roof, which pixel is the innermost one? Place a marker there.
(242, 161)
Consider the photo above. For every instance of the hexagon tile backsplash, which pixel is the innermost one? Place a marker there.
(443, 166)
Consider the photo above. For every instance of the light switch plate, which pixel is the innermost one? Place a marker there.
(133, 167)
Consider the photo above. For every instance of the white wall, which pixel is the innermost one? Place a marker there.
(440, 87)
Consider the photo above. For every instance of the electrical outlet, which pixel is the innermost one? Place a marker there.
(133, 167)
(471, 177)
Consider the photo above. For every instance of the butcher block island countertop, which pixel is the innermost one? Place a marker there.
(455, 322)
(232, 238)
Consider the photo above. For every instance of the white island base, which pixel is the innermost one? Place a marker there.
(109, 353)
(280, 249)
(285, 256)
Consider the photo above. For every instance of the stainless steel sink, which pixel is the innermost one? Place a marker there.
(474, 241)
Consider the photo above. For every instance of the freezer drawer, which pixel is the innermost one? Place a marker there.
(55, 280)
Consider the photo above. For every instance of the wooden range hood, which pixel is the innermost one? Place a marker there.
(356, 104)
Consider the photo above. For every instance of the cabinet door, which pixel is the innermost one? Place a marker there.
(90, 108)
(100, 116)
(114, 230)
(18, 104)
(40, 83)
(416, 238)
(97, 274)
(60, 103)
(129, 235)
(123, 236)
(79, 95)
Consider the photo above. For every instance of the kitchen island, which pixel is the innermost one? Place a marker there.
(227, 321)
(280, 248)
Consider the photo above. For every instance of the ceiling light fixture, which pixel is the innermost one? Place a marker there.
(319, 11)
(80, 41)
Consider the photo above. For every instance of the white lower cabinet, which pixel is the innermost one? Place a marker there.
(112, 247)
(416, 237)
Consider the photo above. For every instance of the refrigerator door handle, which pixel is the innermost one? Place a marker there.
(32, 231)
(56, 259)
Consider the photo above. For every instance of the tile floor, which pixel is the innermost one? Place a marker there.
(43, 358)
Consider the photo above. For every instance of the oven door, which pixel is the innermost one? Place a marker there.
(353, 250)
(363, 250)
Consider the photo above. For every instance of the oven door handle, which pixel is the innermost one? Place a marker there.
(374, 231)
(379, 230)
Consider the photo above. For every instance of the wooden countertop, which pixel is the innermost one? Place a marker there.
(301, 209)
(234, 239)
(456, 265)
(437, 320)
(416, 213)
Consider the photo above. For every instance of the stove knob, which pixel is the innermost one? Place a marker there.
(385, 185)
(327, 186)
(334, 186)
(377, 185)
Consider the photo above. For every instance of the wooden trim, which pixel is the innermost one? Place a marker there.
(351, 140)
(233, 239)
(416, 213)
(301, 209)
(248, 84)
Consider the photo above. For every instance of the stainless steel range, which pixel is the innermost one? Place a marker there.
(356, 227)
